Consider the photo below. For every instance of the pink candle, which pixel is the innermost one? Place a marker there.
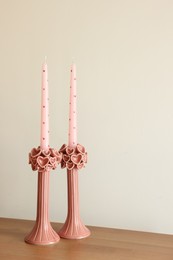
(72, 115)
(73, 227)
(44, 142)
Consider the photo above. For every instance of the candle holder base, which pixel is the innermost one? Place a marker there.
(42, 236)
(42, 232)
(73, 227)
(74, 231)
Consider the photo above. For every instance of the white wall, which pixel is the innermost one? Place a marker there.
(124, 55)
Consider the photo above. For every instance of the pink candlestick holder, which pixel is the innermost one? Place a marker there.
(73, 159)
(42, 232)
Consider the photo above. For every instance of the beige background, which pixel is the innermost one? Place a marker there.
(124, 55)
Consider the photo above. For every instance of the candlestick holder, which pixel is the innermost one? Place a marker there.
(43, 161)
(73, 159)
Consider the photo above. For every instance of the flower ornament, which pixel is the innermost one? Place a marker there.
(73, 157)
(42, 160)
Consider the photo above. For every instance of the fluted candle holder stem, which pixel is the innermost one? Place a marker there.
(42, 232)
(73, 227)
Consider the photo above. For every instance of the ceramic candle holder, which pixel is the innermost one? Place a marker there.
(73, 159)
(43, 161)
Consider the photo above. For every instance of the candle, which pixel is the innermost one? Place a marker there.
(43, 161)
(72, 113)
(73, 159)
(44, 142)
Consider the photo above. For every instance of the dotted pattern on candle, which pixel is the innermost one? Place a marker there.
(45, 110)
(72, 114)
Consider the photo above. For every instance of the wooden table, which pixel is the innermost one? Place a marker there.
(103, 244)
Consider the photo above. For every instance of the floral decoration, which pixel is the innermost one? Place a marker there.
(42, 160)
(73, 157)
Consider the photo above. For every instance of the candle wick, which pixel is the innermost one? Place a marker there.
(73, 59)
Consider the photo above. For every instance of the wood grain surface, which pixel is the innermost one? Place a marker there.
(103, 244)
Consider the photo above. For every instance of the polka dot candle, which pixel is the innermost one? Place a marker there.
(73, 227)
(43, 159)
(72, 113)
(44, 140)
